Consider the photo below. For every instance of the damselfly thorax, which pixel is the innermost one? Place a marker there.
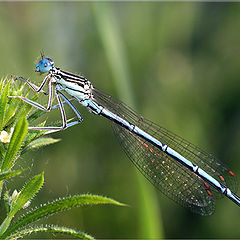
(76, 86)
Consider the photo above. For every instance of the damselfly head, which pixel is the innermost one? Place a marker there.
(44, 65)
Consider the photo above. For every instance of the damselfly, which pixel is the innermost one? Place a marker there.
(185, 173)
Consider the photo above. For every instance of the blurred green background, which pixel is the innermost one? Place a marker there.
(175, 63)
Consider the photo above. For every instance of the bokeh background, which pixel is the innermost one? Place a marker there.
(175, 63)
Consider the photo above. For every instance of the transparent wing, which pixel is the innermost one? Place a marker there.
(165, 173)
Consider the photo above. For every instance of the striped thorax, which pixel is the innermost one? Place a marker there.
(75, 85)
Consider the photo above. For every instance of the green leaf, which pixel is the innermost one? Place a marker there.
(2, 152)
(22, 108)
(5, 175)
(34, 134)
(2, 80)
(35, 115)
(10, 110)
(6, 202)
(14, 106)
(3, 104)
(40, 142)
(59, 206)
(27, 193)
(50, 229)
(18, 136)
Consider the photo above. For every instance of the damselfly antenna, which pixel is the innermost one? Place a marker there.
(42, 54)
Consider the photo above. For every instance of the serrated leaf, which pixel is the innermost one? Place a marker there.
(5, 175)
(3, 104)
(2, 152)
(2, 84)
(11, 110)
(59, 206)
(40, 142)
(18, 136)
(13, 103)
(6, 202)
(27, 193)
(23, 109)
(50, 229)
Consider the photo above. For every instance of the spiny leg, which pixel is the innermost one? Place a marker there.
(64, 120)
(37, 105)
(51, 129)
(68, 101)
(63, 102)
(33, 86)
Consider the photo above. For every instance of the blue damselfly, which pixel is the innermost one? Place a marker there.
(182, 171)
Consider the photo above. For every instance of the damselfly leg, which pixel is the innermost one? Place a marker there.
(59, 95)
(34, 87)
